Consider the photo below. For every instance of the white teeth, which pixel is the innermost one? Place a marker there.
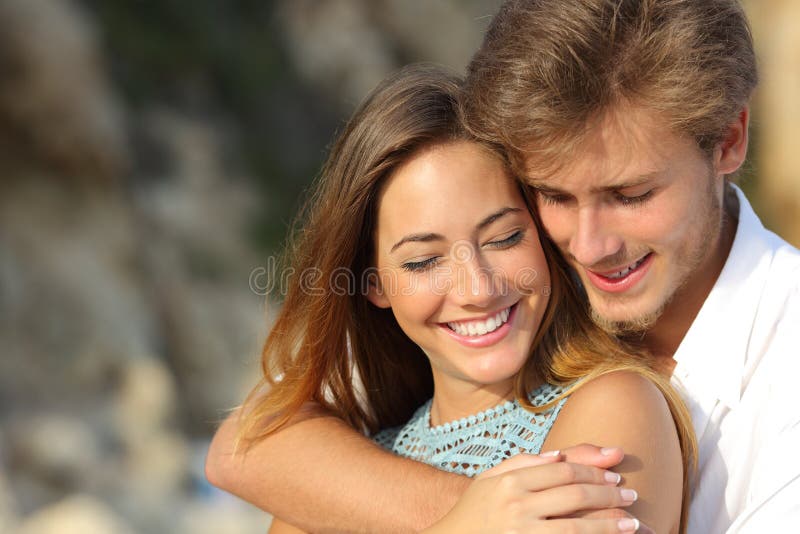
(626, 271)
(479, 328)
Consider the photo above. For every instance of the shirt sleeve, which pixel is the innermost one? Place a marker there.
(776, 503)
(774, 497)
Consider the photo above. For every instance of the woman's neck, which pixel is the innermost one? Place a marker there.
(454, 399)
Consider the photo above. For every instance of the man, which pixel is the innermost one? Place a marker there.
(628, 118)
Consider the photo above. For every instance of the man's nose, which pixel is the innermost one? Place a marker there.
(594, 236)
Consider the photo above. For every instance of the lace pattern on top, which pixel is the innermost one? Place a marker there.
(473, 444)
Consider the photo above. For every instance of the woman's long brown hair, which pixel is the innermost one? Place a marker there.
(328, 337)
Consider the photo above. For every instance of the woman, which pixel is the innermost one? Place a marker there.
(422, 274)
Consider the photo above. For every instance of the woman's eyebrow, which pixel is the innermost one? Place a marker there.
(418, 238)
(428, 237)
(496, 215)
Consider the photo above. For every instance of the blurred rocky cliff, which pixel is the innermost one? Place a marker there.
(127, 323)
(151, 156)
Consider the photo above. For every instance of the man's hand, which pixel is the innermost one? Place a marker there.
(584, 454)
(545, 493)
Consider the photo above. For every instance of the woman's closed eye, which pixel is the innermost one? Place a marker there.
(419, 266)
(507, 242)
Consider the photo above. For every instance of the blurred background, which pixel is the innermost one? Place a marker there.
(152, 155)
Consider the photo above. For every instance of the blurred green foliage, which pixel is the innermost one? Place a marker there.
(224, 61)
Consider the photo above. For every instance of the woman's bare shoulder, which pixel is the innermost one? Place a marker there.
(619, 402)
(618, 388)
(625, 409)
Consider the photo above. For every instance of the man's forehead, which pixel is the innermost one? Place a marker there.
(595, 172)
(603, 162)
(625, 144)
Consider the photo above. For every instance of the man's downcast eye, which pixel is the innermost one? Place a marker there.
(633, 200)
(627, 200)
(552, 198)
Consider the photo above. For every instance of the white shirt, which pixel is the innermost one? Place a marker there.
(739, 370)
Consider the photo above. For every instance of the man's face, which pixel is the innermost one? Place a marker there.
(636, 213)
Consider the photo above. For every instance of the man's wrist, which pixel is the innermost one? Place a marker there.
(448, 490)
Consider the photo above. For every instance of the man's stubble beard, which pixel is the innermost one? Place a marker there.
(688, 262)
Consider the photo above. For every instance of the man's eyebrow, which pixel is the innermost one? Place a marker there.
(417, 238)
(542, 186)
(631, 182)
(428, 237)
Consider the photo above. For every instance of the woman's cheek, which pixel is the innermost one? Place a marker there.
(528, 273)
(419, 296)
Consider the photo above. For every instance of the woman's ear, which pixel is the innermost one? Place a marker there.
(731, 152)
(376, 293)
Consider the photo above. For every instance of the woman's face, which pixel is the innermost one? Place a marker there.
(460, 264)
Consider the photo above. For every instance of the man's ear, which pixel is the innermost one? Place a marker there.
(731, 152)
(376, 293)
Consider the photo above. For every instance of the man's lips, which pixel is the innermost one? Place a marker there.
(620, 272)
(622, 278)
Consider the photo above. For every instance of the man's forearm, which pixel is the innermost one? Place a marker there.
(323, 476)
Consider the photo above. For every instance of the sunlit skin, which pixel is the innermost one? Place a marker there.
(638, 213)
(455, 242)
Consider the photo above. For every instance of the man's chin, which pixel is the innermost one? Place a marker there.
(626, 326)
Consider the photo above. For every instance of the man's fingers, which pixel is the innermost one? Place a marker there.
(610, 513)
(520, 461)
(593, 455)
(590, 526)
(586, 454)
(551, 476)
(564, 500)
(606, 513)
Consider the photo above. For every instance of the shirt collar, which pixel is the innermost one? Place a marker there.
(713, 352)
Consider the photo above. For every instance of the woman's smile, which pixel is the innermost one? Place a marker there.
(482, 332)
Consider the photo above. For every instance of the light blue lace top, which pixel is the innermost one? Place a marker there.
(473, 444)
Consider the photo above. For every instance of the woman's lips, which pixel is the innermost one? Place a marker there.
(487, 339)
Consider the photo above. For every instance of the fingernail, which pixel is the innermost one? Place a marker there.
(628, 525)
(612, 477)
(550, 453)
(608, 451)
(628, 495)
